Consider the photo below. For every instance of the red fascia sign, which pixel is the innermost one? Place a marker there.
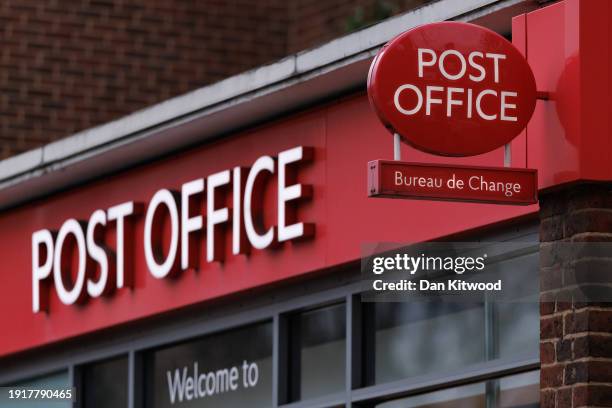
(80, 265)
(452, 89)
(491, 185)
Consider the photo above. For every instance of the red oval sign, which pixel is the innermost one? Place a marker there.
(452, 89)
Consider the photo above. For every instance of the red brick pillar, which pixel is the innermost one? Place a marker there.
(575, 336)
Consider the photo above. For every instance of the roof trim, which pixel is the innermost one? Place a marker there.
(223, 107)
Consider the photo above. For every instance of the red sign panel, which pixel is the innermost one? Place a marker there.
(452, 89)
(144, 294)
(493, 185)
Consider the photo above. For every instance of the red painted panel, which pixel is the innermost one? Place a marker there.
(553, 128)
(151, 295)
(354, 138)
(519, 40)
(345, 136)
(568, 139)
(595, 22)
(568, 49)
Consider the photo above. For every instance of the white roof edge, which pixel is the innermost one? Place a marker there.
(248, 86)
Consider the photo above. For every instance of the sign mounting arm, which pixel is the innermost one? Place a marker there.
(397, 146)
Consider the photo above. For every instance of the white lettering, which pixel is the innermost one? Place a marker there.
(61, 264)
(158, 266)
(184, 385)
(288, 193)
(399, 107)
(452, 101)
(462, 63)
(215, 216)
(119, 213)
(430, 100)
(505, 106)
(171, 220)
(42, 243)
(477, 66)
(422, 62)
(479, 104)
(259, 241)
(190, 224)
(98, 254)
(496, 58)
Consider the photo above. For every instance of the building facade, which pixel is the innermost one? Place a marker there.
(206, 251)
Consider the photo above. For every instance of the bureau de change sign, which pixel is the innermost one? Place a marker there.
(452, 89)
(492, 185)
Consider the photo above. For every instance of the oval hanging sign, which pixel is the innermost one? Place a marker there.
(452, 89)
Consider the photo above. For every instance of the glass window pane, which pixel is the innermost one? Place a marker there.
(229, 369)
(468, 396)
(519, 321)
(105, 384)
(517, 391)
(519, 329)
(417, 338)
(520, 391)
(53, 381)
(319, 344)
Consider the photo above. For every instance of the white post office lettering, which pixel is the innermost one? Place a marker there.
(173, 230)
(476, 66)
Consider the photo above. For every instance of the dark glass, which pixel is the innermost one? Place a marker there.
(520, 391)
(517, 391)
(519, 329)
(318, 340)
(105, 384)
(519, 320)
(229, 369)
(467, 396)
(417, 338)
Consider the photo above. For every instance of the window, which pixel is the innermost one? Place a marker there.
(517, 332)
(229, 369)
(467, 396)
(517, 391)
(417, 338)
(318, 343)
(105, 384)
(522, 390)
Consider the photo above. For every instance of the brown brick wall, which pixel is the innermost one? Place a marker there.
(70, 65)
(575, 336)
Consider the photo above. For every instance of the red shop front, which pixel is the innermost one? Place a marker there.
(210, 257)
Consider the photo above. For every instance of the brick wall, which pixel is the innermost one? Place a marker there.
(70, 65)
(575, 336)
